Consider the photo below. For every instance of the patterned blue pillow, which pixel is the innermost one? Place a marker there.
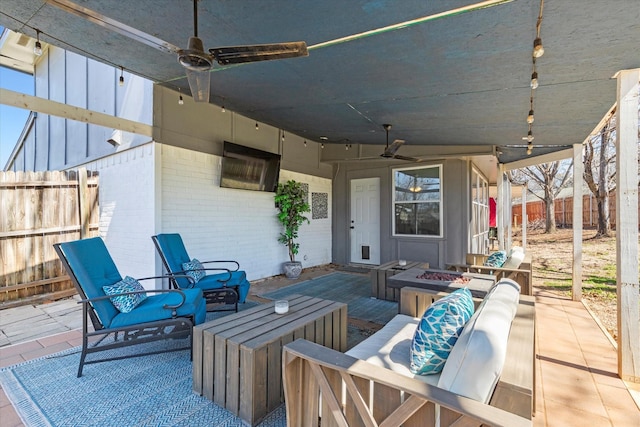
(194, 269)
(125, 303)
(438, 331)
(496, 259)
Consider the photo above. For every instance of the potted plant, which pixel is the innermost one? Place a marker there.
(291, 202)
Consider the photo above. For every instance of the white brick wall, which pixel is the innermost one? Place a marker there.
(127, 202)
(222, 223)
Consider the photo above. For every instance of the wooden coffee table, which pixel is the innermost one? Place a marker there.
(237, 359)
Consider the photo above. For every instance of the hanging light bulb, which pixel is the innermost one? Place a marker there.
(534, 80)
(322, 145)
(538, 49)
(180, 100)
(121, 79)
(529, 136)
(282, 136)
(305, 142)
(529, 149)
(37, 48)
(530, 117)
(257, 127)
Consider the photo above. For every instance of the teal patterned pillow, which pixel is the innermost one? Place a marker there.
(194, 269)
(125, 303)
(496, 259)
(438, 331)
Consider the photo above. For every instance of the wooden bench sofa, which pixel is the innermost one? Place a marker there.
(328, 388)
(523, 274)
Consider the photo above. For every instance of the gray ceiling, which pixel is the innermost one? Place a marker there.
(458, 80)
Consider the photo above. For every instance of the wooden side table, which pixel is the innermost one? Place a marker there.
(380, 274)
(237, 359)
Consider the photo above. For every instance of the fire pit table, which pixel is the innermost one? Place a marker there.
(443, 281)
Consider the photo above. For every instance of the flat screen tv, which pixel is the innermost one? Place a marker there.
(249, 168)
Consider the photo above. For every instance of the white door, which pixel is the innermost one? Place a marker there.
(365, 221)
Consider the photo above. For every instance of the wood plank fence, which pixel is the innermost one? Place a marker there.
(39, 209)
(564, 211)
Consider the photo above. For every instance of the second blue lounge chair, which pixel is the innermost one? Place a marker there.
(226, 285)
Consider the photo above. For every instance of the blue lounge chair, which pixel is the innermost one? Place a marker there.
(139, 316)
(224, 286)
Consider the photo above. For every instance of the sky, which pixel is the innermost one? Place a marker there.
(12, 119)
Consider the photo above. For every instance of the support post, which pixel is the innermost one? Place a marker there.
(627, 225)
(500, 207)
(525, 218)
(578, 170)
(84, 210)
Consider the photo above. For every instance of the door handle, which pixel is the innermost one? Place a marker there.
(352, 227)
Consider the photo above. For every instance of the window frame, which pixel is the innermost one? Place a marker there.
(440, 202)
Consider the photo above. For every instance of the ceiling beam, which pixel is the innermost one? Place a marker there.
(58, 109)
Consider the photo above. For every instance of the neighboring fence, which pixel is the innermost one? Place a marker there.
(37, 210)
(564, 211)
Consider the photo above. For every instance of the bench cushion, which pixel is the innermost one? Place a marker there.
(515, 259)
(390, 347)
(475, 363)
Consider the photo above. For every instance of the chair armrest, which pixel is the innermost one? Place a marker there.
(192, 282)
(159, 291)
(225, 262)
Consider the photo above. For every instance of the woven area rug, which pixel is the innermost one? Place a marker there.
(351, 289)
(142, 391)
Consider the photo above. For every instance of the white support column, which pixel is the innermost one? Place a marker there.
(500, 207)
(578, 169)
(525, 219)
(508, 213)
(627, 225)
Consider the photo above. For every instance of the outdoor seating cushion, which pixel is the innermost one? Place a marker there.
(125, 303)
(476, 361)
(390, 347)
(515, 259)
(176, 254)
(151, 309)
(93, 266)
(194, 269)
(438, 331)
(496, 259)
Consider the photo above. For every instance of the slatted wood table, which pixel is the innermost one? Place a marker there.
(237, 359)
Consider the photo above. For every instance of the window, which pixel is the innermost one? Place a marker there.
(479, 213)
(417, 201)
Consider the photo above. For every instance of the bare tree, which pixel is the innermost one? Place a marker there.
(550, 178)
(600, 171)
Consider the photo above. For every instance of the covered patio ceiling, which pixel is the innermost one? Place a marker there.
(459, 80)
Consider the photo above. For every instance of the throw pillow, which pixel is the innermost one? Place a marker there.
(194, 269)
(438, 331)
(125, 303)
(496, 259)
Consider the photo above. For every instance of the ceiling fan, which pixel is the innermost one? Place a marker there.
(198, 63)
(391, 150)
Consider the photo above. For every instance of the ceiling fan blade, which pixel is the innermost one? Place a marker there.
(199, 83)
(408, 159)
(391, 150)
(259, 52)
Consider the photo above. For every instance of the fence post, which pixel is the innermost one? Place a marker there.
(83, 202)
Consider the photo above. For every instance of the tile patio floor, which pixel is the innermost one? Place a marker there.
(577, 384)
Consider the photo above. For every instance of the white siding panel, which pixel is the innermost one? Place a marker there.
(127, 218)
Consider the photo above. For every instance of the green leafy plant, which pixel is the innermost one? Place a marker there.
(291, 202)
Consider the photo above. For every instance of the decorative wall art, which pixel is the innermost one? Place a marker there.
(319, 205)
